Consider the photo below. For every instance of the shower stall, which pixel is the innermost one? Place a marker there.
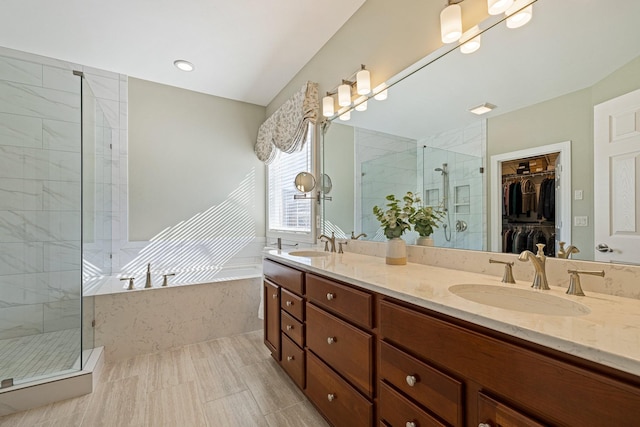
(453, 182)
(55, 176)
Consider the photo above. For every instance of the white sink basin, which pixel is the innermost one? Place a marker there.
(309, 254)
(520, 300)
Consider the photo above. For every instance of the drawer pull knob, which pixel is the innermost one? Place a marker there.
(411, 380)
(274, 296)
(289, 303)
(331, 397)
(289, 327)
(484, 425)
(410, 424)
(331, 340)
(330, 296)
(289, 358)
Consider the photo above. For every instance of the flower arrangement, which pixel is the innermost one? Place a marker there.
(425, 219)
(396, 219)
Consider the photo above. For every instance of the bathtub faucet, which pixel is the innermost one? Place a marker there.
(147, 283)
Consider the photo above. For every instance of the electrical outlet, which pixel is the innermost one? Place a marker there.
(581, 221)
(578, 195)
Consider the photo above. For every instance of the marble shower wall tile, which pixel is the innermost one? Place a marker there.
(61, 315)
(60, 79)
(18, 71)
(20, 131)
(61, 136)
(39, 102)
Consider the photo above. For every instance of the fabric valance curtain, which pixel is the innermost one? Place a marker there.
(287, 127)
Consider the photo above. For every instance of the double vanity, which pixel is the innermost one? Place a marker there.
(418, 345)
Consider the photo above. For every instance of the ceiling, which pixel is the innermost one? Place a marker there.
(246, 50)
(568, 45)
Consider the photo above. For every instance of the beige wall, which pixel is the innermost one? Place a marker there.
(385, 36)
(188, 152)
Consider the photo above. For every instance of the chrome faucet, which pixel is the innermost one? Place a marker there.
(330, 240)
(147, 282)
(354, 237)
(538, 261)
(566, 253)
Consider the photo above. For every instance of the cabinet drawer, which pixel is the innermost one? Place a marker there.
(293, 361)
(337, 400)
(293, 328)
(428, 386)
(287, 277)
(292, 304)
(397, 411)
(351, 303)
(344, 347)
(494, 413)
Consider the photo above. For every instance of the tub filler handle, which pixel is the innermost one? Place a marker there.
(164, 278)
(130, 279)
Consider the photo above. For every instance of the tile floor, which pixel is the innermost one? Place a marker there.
(39, 355)
(225, 382)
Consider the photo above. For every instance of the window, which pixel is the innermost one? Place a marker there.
(286, 214)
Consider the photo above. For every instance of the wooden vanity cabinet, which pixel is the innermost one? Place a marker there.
(284, 308)
(507, 381)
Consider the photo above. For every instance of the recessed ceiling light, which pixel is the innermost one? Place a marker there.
(482, 109)
(183, 65)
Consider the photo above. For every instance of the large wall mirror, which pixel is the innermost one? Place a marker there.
(544, 80)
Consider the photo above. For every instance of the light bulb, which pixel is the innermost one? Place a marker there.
(327, 106)
(496, 7)
(344, 95)
(470, 41)
(518, 15)
(363, 82)
(362, 106)
(451, 23)
(381, 96)
(345, 116)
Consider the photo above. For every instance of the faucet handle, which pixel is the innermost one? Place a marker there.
(164, 278)
(574, 280)
(340, 251)
(130, 279)
(540, 249)
(507, 277)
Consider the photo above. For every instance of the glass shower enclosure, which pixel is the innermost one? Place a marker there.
(54, 186)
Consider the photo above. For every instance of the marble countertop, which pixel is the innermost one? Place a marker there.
(609, 334)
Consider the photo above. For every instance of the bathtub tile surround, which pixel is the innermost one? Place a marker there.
(138, 322)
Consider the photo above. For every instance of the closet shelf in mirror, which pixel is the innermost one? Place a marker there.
(528, 175)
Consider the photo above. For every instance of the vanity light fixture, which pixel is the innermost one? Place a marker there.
(482, 108)
(519, 13)
(451, 22)
(361, 81)
(345, 116)
(183, 65)
(471, 40)
(496, 7)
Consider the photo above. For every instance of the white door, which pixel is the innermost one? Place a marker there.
(617, 181)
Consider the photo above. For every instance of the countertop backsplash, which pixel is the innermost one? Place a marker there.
(619, 280)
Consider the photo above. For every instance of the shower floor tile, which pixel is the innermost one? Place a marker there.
(38, 355)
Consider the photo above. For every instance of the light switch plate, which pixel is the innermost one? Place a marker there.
(578, 195)
(581, 221)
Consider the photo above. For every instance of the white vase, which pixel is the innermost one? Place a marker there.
(396, 251)
(424, 241)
